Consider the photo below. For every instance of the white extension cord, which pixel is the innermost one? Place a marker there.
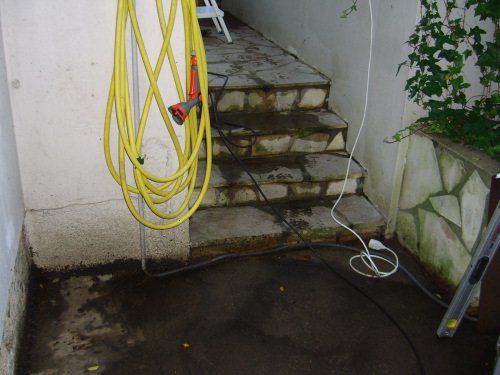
(365, 256)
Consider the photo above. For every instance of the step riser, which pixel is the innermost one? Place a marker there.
(279, 144)
(232, 230)
(278, 192)
(200, 251)
(274, 99)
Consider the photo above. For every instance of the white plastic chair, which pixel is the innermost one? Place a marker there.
(211, 10)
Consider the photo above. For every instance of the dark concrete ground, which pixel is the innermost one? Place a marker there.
(277, 314)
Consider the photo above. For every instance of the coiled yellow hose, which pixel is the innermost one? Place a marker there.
(158, 189)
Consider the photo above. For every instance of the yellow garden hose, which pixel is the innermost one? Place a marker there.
(154, 189)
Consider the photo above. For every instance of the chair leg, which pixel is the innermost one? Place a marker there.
(224, 27)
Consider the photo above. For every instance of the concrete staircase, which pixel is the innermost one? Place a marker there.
(298, 158)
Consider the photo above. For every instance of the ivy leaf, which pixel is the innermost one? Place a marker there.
(490, 57)
(432, 88)
(400, 65)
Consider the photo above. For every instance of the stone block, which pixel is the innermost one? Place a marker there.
(337, 143)
(330, 167)
(407, 231)
(274, 191)
(231, 101)
(312, 143)
(452, 170)
(237, 195)
(448, 207)
(271, 145)
(219, 149)
(285, 100)
(202, 153)
(209, 200)
(261, 101)
(472, 203)
(335, 187)
(358, 211)
(306, 189)
(421, 177)
(312, 98)
(310, 218)
(440, 248)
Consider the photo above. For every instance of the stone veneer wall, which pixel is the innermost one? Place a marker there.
(444, 204)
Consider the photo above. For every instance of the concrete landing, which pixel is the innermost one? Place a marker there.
(276, 315)
(253, 61)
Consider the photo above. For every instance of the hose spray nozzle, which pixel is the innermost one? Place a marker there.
(181, 110)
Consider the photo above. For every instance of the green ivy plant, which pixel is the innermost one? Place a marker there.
(442, 42)
(351, 9)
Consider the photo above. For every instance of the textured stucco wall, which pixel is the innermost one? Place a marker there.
(59, 58)
(339, 48)
(13, 276)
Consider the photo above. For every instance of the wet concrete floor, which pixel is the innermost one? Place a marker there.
(278, 314)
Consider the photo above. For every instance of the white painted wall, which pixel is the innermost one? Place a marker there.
(339, 48)
(59, 61)
(11, 201)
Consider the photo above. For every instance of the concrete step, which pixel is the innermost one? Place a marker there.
(280, 133)
(282, 178)
(262, 77)
(215, 231)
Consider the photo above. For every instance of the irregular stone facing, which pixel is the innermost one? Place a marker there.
(312, 98)
(464, 206)
(312, 143)
(472, 202)
(452, 170)
(407, 231)
(448, 207)
(442, 250)
(422, 177)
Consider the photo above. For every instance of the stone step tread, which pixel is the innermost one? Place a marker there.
(252, 61)
(279, 123)
(229, 226)
(280, 169)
